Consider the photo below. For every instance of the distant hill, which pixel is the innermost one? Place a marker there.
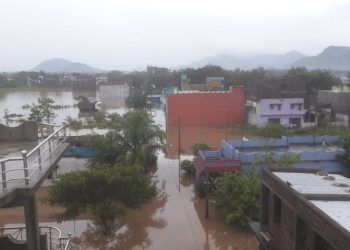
(59, 65)
(228, 61)
(333, 57)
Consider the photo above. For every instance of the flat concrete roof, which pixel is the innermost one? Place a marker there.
(332, 184)
(309, 183)
(337, 210)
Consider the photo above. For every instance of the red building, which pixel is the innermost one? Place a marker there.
(219, 108)
(214, 161)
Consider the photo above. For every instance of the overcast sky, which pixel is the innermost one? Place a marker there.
(129, 34)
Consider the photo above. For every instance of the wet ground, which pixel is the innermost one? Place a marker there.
(13, 149)
(173, 220)
(212, 136)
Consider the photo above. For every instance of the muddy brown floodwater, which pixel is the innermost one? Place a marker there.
(172, 220)
(189, 135)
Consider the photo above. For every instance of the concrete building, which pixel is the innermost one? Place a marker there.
(260, 88)
(215, 161)
(113, 95)
(304, 209)
(339, 102)
(288, 112)
(311, 152)
(215, 108)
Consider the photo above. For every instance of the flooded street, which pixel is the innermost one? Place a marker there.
(176, 220)
(173, 220)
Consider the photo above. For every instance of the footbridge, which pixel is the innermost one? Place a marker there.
(21, 176)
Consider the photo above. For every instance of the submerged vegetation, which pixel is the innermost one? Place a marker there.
(238, 195)
(117, 177)
(43, 111)
(104, 191)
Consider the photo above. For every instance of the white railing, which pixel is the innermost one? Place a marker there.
(55, 240)
(31, 163)
(46, 129)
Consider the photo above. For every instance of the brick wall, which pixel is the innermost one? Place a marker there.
(203, 109)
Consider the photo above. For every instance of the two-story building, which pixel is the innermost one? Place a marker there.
(288, 112)
(304, 209)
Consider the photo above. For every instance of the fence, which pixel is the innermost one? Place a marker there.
(284, 141)
(25, 167)
(55, 240)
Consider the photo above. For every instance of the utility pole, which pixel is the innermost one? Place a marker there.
(179, 149)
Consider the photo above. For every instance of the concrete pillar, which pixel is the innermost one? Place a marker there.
(31, 219)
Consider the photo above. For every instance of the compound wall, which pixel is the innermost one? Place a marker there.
(219, 108)
(27, 131)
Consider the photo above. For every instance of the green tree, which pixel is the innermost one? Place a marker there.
(3, 80)
(345, 157)
(188, 167)
(270, 161)
(43, 111)
(7, 117)
(137, 100)
(74, 124)
(142, 137)
(110, 148)
(199, 146)
(103, 191)
(238, 195)
(134, 139)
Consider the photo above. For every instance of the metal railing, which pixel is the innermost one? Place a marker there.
(31, 163)
(46, 129)
(220, 162)
(55, 240)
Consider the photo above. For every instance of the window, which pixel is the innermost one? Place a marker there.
(265, 206)
(277, 209)
(301, 234)
(278, 106)
(274, 120)
(295, 122)
(320, 243)
(299, 106)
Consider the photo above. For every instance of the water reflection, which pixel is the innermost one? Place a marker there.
(15, 101)
(213, 136)
(133, 228)
(172, 220)
(113, 96)
(220, 236)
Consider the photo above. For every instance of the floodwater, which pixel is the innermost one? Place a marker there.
(14, 102)
(190, 135)
(172, 220)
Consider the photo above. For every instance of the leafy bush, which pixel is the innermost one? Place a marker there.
(188, 167)
(199, 146)
(238, 195)
(104, 191)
